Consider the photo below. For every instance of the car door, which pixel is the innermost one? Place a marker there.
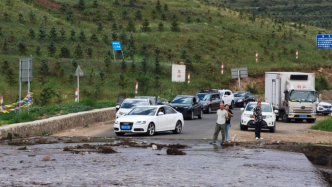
(161, 121)
(213, 102)
(218, 101)
(226, 98)
(171, 117)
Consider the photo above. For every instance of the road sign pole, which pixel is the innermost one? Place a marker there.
(114, 56)
(238, 73)
(29, 83)
(20, 89)
(122, 55)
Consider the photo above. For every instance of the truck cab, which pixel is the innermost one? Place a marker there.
(292, 94)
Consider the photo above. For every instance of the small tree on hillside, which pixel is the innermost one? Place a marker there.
(78, 51)
(43, 68)
(74, 63)
(132, 43)
(138, 15)
(10, 77)
(158, 6)
(90, 52)
(123, 66)
(38, 51)
(102, 76)
(72, 35)
(47, 94)
(32, 33)
(53, 34)
(94, 38)
(80, 5)
(166, 7)
(107, 61)
(61, 76)
(146, 27)
(5, 67)
(51, 48)
(163, 17)
(132, 3)
(124, 15)
(42, 33)
(144, 66)
(114, 36)
(131, 26)
(63, 34)
(123, 81)
(95, 4)
(100, 26)
(160, 27)
(5, 47)
(144, 50)
(22, 47)
(175, 26)
(57, 67)
(188, 19)
(184, 54)
(123, 37)
(154, 14)
(110, 16)
(105, 39)
(70, 15)
(114, 27)
(63, 7)
(20, 18)
(64, 52)
(82, 36)
(32, 17)
(189, 64)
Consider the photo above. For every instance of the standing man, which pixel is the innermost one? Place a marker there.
(221, 125)
(228, 121)
(258, 120)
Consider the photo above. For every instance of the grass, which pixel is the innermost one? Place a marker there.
(228, 38)
(324, 125)
(36, 112)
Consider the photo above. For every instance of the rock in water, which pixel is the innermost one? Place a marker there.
(46, 158)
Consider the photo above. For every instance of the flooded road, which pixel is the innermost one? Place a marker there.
(203, 165)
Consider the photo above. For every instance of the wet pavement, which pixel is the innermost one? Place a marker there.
(203, 165)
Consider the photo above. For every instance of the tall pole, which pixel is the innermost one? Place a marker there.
(114, 56)
(29, 82)
(238, 74)
(20, 89)
(78, 88)
(122, 55)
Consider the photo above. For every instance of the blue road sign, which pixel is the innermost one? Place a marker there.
(116, 46)
(324, 41)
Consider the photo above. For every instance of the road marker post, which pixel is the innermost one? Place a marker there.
(188, 78)
(222, 68)
(297, 54)
(256, 56)
(76, 95)
(136, 88)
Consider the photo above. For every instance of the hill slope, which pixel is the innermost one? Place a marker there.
(183, 30)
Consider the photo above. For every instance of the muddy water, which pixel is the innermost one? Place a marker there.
(204, 165)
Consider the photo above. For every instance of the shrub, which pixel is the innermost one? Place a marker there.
(321, 83)
(253, 88)
(325, 125)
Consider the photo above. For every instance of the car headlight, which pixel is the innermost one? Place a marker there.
(268, 117)
(246, 115)
(187, 107)
(240, 100)
(140, 122)
(290, 110)
(116, 122)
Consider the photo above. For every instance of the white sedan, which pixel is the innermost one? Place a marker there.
(149, 120)
(269, 116)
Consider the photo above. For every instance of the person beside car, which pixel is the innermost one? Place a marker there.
(258, 120)
(220, 125)
(228, 121)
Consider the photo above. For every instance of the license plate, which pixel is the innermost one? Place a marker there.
(328, 109)
(303, 116)
(125, 127)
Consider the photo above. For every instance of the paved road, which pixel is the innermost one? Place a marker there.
(193, 129)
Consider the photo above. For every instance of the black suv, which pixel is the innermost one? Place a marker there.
(188, 105)
(241, 99)
(210, 100)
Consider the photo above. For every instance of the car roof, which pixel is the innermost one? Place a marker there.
(261, 102)
(152, 106)
(136, 99)
(185, 96)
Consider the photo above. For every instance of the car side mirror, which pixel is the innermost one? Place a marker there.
(242, 109)
(161, 114)
(276, 111)
(169, 101)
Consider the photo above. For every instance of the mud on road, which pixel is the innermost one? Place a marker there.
(78, 161)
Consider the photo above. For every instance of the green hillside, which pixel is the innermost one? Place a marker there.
(60, 34)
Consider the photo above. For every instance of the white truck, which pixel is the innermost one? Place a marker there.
(292, 94)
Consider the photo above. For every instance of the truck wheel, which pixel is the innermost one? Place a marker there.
(311, 120)
(273, 129)
(285, 118)
(277, 118)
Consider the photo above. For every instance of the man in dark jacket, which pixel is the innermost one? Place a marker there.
(258, 120)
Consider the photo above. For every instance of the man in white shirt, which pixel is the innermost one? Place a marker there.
(221, 125)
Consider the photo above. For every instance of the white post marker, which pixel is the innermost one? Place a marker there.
(136, 88)
(222, 68)
(76, 95)
(1, 99)
(256, 56)
(78, 73)
(297, 54)
(188, 78)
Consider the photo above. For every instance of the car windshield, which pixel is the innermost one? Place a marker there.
(133, 103)
(183, 100)
(143, 111)
(204, 97)
(239, 94)
(264, 107)
(302, 96)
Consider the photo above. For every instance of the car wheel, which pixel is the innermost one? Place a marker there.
(273, 129)
(285, 118)
(243, 128)
(151, 129)
(178, 128)
(192, 115)
(311, 120)
(201, 115)
(209, 110)
(244, 104)
(120, 133)
(232, 105)
(326, 114)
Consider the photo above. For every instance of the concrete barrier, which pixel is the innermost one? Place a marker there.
(59, 123)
